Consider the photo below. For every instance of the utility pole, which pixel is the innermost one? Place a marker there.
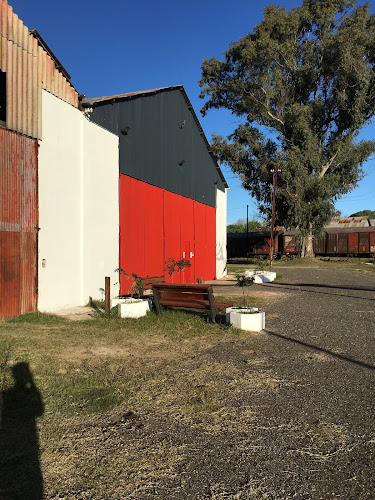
(274, 171)
(247, 233)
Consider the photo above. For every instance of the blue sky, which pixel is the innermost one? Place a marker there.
(118, 46)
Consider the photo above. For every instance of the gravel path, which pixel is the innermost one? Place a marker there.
(301, 422)
(320, 340)
(302, 405)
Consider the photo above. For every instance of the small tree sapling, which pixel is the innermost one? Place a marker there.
(244, 282)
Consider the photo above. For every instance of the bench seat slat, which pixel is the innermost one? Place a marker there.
(202, 304)
(187, 303)
(181, 286)
(185, 295)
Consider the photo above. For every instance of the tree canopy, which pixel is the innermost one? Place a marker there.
(240, 226)
(302, 83)
(364, 213)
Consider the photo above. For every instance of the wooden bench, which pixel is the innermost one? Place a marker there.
(193, 296)
(148, 282)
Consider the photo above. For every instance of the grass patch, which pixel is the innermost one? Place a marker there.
(98, 380)
(350, 263)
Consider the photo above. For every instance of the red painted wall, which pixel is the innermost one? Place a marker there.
(156, 224)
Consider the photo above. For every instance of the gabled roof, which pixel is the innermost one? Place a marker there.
(131, 94)
(189, 105)
(349, 222)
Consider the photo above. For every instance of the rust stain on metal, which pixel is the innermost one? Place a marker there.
(350, 222)
(18, 224)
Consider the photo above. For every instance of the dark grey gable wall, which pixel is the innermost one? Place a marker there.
(162, 134)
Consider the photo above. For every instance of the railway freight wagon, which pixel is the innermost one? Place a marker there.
(254, 243)
(348, 241)
(334, 241)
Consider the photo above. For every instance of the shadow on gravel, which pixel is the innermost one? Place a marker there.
(301, 286)
(321, 349)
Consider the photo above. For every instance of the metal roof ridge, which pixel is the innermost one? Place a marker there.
(136, 93)
(46, 48)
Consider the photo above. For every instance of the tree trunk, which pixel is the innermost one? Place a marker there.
(307, 249)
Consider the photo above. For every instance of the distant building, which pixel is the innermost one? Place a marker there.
(349, 222)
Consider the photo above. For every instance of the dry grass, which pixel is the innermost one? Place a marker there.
(365, 265)
(105, 380)
(130, 407)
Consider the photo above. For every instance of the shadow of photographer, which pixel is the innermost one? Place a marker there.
(20, 406)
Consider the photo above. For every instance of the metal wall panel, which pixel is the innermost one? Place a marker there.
(18, 224)
(353, 239)
(29, 69)
(172, 230)
(372, 243)
(156, 224)
(342, 243)
(162, 133)
(364, 243)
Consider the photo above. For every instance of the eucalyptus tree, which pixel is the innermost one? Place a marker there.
(302, 84)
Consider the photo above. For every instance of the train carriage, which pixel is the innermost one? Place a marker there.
(335, 240)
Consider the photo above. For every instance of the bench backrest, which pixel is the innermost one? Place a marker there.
(173, 291)
(150, 281)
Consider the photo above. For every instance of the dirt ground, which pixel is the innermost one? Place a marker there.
(287, 413)
(296, 419)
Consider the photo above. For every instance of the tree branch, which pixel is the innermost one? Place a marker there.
(326, 166)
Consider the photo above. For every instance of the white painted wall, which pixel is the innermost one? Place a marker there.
(78, 207)
(221, 233)
(101, 209)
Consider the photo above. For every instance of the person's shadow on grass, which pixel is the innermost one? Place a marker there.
(20, 405)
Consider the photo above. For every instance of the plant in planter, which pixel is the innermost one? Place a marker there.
(244, 282)
(246, 318)
(172, 265)
(261, 264)
(260, 275)
(137, 287)
(181, 265)
(131, 307)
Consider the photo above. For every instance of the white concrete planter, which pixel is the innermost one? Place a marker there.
(261, 276)
(116, 301)
(228, 310)
(133, 308)
(254, 322)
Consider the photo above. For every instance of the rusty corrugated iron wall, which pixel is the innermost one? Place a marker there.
(29, 69)
(18, 223)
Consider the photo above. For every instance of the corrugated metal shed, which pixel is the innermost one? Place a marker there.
(18, 224)
(30, 67)
(348, 229)
(114, 120)
(349, 222)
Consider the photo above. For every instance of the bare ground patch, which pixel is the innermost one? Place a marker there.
(173, 407)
